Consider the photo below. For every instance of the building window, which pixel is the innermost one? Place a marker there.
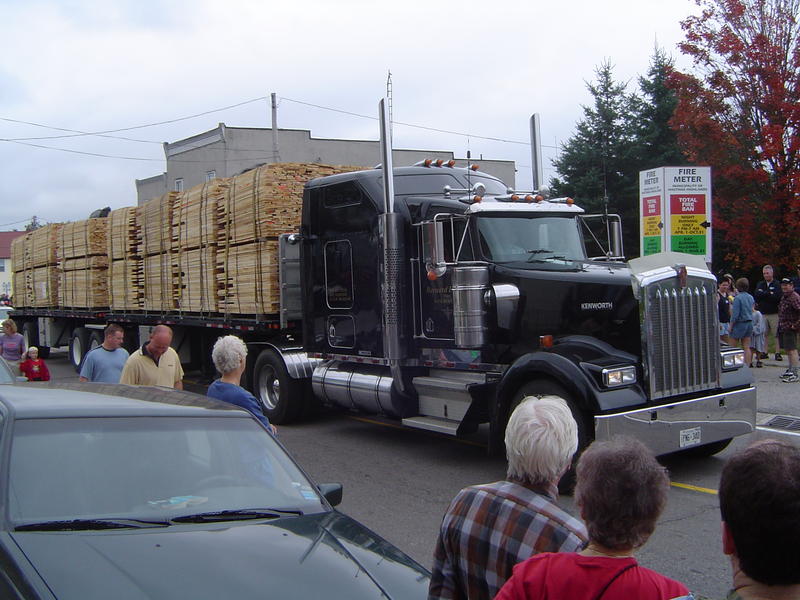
(211, 175)
(2, 265)
(179, 185)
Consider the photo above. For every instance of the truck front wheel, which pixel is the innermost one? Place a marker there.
(280, 395)
(546, 387)
(30, 331)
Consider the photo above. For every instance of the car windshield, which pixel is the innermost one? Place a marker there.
(155, 468)
(530, 239)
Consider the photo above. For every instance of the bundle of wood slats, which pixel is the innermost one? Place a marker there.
(158, 295)
(83, 238)
(42, 245)
(155, 224)
(125, 285)
(248, 278)
(36, 272)
(84, 288)
(194, 215)
(124, 234)
(196, 281)
(20, 258)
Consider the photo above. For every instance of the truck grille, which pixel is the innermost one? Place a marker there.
(681, 337)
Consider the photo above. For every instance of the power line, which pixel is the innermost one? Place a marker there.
(101, 133)
(14, 223)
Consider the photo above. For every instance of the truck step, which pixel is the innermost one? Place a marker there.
(446, 426)
(444, 394)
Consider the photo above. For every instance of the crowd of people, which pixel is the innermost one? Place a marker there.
(770, 316)
(509, 540)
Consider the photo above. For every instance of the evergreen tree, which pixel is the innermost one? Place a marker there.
(594, 164)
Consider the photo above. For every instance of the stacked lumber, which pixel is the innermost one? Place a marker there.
(23, 297)
(83, 238)
(41, 286)
(158, 294)
(155, 223)
(124, 234)
(260, 205)
(247, 277)
(42, 245)
(126, 285)
(194, 215)
(196, 281)
(82, 253)
(20, 259)
(125, 275)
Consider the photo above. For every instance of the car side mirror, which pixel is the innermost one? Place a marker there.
(332, 492)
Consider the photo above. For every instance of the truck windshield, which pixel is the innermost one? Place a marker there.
(531, 239)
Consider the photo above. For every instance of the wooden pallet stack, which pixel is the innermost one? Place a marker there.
(37, 273)
(194, 246)
(261, 204)
(82, 253)
(155, 223)
(126, 286)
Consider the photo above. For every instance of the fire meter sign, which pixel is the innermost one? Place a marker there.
(675, 210)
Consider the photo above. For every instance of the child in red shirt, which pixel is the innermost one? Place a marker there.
(33, 367)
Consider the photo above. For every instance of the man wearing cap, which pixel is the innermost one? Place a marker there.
(768, 295)
(796, 280)
(788, 327)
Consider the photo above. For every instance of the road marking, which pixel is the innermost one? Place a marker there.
(693, 488)
(403, 427)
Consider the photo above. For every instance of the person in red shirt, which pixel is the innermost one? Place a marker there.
(621, 490)
(33, 367)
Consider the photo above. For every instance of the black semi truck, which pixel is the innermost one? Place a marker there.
(445, 306)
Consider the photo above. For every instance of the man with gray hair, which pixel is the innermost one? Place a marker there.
(491, 527)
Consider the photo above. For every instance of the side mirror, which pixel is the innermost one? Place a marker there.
(332, 492)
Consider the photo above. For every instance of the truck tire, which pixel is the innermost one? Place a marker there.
(30, 331)
(546, 387)
(78, 346)
(95, 339)
(280, 395)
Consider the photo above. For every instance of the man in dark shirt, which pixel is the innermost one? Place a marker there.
(768, 295)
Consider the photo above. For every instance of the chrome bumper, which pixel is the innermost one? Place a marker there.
(681, 425)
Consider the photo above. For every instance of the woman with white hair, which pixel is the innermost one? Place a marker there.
(230, 357)
(621, 491)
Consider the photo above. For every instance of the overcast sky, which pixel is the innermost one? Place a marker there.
(479, 68)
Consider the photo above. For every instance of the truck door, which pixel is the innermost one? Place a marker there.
(341, 266)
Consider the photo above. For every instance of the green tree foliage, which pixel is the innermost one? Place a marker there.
(620, 134)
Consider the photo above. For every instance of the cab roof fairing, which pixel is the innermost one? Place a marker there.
(489, 205)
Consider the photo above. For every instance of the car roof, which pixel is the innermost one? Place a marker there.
(34, 400)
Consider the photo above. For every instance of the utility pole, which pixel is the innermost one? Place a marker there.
(276, 157)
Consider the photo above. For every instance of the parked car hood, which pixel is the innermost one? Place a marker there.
(323, 555)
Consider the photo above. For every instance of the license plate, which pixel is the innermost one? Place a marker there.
(690, 437)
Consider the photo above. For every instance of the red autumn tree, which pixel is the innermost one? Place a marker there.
(740, 113)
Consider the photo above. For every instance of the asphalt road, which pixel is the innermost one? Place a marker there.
(400, 481)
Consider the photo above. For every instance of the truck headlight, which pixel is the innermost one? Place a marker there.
(732, 359)
(619, 376)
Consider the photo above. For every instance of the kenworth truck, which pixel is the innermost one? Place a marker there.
(446, 306)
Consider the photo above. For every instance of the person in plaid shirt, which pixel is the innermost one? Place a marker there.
(759, 500)
(491, 527)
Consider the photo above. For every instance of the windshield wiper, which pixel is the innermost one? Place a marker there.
(90, 524)
(236, 515)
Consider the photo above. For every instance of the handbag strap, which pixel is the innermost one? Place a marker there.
(612, 580)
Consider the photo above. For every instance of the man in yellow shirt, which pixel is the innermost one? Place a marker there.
(155, 363)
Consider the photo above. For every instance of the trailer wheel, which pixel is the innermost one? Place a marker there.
(546, 387)
(280, 395)
(95, 339)
(78, 345)
(30, 332)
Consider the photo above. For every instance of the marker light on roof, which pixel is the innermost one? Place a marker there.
(427, 162)
(539, 198)
(439, 162)
(514, 198)
(451, 163)
(570, 201)
(478, 198)
(474, 167)
(529, 198)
